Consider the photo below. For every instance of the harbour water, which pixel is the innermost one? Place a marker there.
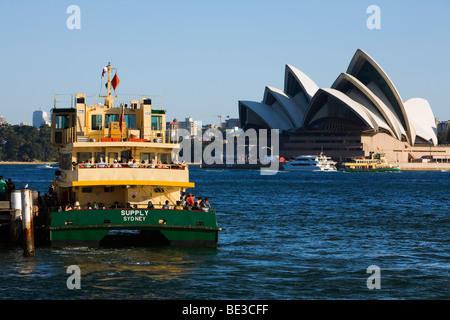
(289, 236)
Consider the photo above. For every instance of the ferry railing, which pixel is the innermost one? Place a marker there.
(142, 166)
(122, 206)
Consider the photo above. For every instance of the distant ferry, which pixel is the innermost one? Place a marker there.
(311, 163)
(376, 162)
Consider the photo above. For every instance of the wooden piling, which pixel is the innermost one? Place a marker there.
(13, 231)
(27, 223)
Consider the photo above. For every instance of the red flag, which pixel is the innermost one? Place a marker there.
(115, 82)
(121, 120)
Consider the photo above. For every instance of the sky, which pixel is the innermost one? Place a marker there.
(201, 57)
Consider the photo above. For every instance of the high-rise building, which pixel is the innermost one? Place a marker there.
(39, 118)
(2, 120)
(194, 127)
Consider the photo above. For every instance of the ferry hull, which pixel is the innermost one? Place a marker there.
(150, 226)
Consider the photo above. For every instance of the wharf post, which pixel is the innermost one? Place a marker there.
(27, 223)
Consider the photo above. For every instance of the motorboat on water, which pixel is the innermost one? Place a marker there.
(311, 163)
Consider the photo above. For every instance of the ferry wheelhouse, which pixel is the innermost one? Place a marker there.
(117, 176)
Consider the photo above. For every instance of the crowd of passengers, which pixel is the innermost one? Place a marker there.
(187, 202)
(130, 164)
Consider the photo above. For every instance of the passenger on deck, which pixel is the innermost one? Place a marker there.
(77, 206)
(10, 187)
(182, 202)
(152, 164)
(133, 164)
(115, 205)
(159, 166)
(115, 164)
(183, 165)
(166, 206)
(88, 164)
(3, 187)
(130, 161)
(94, 205)
(206, 202)
(195, 206)
(88, 206)
(68, 207)
(190, 200)
(150, 205)
(101, 163)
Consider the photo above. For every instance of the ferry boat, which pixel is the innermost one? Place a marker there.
(117, 176)
(311, 163)
(376, 162)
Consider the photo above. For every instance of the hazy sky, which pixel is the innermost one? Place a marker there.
(204, 56)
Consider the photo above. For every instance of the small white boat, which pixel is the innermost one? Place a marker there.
(311, 163)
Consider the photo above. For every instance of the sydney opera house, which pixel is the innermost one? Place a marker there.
(361, 112)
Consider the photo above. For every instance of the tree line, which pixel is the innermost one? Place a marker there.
(26, 143)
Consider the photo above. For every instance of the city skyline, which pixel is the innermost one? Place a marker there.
(203, 57)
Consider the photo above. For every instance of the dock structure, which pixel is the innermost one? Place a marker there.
(16, 219)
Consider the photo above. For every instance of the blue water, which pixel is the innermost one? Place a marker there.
(287, 236)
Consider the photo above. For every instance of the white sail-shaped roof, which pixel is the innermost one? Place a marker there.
(308, 87)
(315, 112)
(365, 69)
(422, 119)
(364, 97)
(278, 99)
(356, 90)
(265, 114)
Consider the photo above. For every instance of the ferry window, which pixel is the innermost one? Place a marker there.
(147, 157)
(111, 118)
(130, 120)
(62, 121)
(156, 123)
(159, 190)
(86, 189)
(66, 161)
(125, 155)
(112, 156)
(108, 189)
(165, 157)
(83, 156)
(96, 122)
(98, 155)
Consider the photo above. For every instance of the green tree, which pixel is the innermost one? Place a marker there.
(26, 143)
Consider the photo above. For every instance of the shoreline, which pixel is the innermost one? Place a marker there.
(24, 162)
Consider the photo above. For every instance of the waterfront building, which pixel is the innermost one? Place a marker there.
(2, 120)
(231, 123)
(361, 112)
(40, 118)
(193, 127)
(443, 130)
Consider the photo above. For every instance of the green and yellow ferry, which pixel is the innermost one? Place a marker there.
(116, 177)
(376, 162)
